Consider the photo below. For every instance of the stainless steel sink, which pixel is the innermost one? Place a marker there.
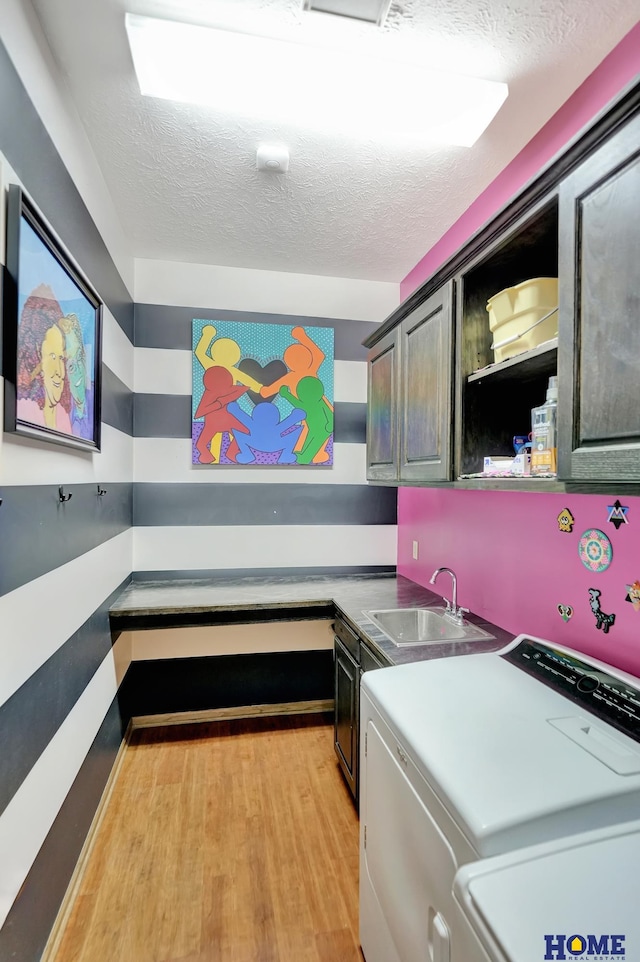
(423, 626)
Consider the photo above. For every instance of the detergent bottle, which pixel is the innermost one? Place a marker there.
(544, 447)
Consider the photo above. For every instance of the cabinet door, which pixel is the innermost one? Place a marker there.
(347, 677)
(382, 409)
(599, 327)
(426, 352)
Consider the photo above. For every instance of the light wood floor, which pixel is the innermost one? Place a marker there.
(223, 842)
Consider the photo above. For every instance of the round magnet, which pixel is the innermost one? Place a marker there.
(594, 549)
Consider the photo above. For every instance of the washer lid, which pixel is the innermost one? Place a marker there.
(533, 904)
(513, 761)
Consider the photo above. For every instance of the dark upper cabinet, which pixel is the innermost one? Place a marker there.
(426, 363)
(599, 334)
(382, 409)
(439, 401)
(409, 422)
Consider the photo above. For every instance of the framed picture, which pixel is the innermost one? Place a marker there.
(262, 394)
(52, 327)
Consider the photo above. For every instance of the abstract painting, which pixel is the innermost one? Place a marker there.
(262, 394)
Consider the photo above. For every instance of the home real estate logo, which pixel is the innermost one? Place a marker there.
(595, 948)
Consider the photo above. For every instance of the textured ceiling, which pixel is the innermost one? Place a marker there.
(183, 178)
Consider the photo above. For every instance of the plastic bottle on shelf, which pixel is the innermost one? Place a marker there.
(544, 447)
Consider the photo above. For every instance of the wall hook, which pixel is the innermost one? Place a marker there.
(101, 491)
(62, 496)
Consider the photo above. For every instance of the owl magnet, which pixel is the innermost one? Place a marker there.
(565, 612)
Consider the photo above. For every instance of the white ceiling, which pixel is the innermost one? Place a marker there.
(183, 178)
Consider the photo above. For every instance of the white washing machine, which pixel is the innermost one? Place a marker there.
(571, 899)
(474, 756)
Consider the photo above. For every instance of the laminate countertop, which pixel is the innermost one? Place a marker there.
(159, 604)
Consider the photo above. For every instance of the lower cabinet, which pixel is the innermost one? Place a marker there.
(352, 658)
(347, 679)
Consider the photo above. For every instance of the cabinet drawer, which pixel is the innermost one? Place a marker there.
(348, 637)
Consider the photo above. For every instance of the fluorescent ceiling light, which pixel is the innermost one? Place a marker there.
(309, 86)
(373, 11)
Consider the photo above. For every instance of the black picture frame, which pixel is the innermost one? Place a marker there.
(52, 335)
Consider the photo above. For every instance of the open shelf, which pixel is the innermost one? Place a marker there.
(511, 484)
(496, 399)
(539, 360)
(545, 485)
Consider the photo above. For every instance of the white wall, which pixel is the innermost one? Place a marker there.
(242, 289)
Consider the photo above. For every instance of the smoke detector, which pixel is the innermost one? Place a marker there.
(273, 157)
(372, 11)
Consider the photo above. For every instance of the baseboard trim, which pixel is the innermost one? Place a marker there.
(225, 714)
(55, 938)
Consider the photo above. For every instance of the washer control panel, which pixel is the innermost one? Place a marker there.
(606, 696)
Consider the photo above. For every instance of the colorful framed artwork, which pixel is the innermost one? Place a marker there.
(262, 394)
(52, 326)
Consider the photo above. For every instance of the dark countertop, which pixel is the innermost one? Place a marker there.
(150, 604)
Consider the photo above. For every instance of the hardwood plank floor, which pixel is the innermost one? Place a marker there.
(227, 841)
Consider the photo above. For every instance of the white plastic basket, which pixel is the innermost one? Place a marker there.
(523, 316)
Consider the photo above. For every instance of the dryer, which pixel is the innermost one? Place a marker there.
(576, 898)
(471, 757)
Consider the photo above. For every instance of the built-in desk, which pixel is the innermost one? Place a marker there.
(205, 645)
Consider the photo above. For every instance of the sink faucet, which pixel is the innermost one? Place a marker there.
(451, 607)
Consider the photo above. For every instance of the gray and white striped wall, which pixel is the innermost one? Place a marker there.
(61, 565)
(196, 520)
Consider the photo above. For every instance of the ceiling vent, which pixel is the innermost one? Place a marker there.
(372, 11)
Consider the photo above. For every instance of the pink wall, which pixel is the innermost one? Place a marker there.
(514, 565)
(616, 71)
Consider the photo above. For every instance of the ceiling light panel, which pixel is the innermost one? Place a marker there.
(309, 87)
(373, 11)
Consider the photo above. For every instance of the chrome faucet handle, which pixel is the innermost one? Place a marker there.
(460, 613)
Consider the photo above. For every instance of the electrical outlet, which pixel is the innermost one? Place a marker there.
(415, 550)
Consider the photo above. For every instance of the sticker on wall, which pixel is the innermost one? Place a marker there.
(602, 621)
(633, 595)
(595, 550)
(566, 520)
(262, 394)
(565, 612)
(617, 514)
